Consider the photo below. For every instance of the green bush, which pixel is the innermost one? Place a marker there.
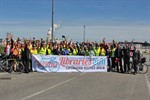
(2, 49)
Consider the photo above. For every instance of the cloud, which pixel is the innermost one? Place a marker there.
(11, 22)
(93, 33)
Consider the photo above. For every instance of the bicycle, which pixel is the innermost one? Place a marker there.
(142, 68)
(19, 66)
(6, 65)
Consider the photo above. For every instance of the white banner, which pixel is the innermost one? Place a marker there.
(49, 63)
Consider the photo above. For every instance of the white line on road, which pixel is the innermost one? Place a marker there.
(148, 83)
(132, 87)
(54, 86)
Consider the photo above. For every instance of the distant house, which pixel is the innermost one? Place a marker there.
(138, 45)
(146, 45)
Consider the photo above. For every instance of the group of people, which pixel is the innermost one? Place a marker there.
(118, 54)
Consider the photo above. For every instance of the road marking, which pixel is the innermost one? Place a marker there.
(82, 73)
(148, 83)
(132, 88)
(54, 86)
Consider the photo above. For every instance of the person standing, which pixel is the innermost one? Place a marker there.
(8, 49)
(113, 49)
(126, 58)
(42, 49)
(118, 55)
(15, 55)
(26, 57)
(91, 51)
(136, 59)
(97, 50)
(109, 58)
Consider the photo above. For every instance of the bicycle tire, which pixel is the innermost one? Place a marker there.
(144, 69)
(3, 66)
(11, 67)
(20, 67)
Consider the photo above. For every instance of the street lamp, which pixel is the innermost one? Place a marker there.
(52, 21)
(84, 33)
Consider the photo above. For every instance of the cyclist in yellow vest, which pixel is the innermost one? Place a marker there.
(42, 49)
(33, 50)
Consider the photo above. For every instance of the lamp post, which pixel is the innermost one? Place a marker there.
(52, 21)
(84, 33)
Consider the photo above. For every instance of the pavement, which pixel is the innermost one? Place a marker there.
(75, 86)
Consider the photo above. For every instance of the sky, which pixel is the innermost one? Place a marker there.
(120, 20)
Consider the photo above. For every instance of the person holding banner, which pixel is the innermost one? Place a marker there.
(42, 49)
(55, 50)
(33, 49)
(102, 50)
(82, 52)
(91, 51)
(75, 50)
(113, 58)
(49, 49)
(66, 51)
(97, 50)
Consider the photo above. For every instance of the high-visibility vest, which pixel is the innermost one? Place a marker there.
(103, 52)
(33, 51)
(50, 52)
(74, 52)
(113, 52)
(97, 51)
(42, 51)
(86, 52)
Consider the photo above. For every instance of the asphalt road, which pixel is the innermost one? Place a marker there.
(75, 86)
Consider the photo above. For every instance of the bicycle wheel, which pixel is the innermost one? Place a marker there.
(20, 67)
(3, 66)
(142, 68)
(11, 67)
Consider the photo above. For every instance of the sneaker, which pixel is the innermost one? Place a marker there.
(12, 72)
